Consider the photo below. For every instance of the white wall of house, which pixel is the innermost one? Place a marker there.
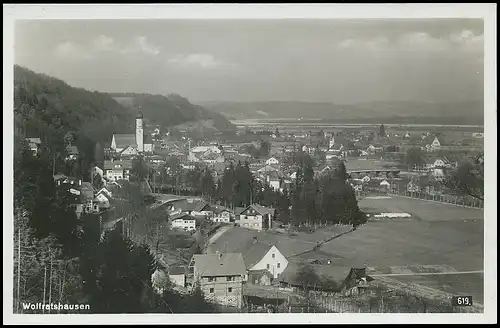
(224, 217)
(186, 224)
(130, 151)
(148, 147)
(251, 222)
(102, 200)
(178, 279)
(275, 184)
(272, 161)
(273, 261)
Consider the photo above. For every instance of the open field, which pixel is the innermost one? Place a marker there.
(439, 238)
(445, 236)
(421, 209)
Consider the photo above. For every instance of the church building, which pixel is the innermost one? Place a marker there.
(132, 144)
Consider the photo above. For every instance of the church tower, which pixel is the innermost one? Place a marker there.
(139, 132)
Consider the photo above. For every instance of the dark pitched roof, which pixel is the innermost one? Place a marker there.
(196, 206)
(211, 265)
(124, 140)
(239, 210)
(260, 209)
(176, 270)
(336, 273)
(59, 176)
(87, 191)
(254, 252)
(72, 150)
(125, 164)
(183, 216)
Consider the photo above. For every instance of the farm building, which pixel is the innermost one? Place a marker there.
(257, 255)
(344, 280)
(220, 277)
(256, 217)
(177, 275)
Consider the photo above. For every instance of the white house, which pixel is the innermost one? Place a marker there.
(221, 215)
(33, 144)
(436, 145)
(129, 151)
(385, 184)
(442, 163)
(117, 170)
(177, 276)
(478, 135)
(257, 256)
(365, 179)
(412, 186)
(103, 198)
(272, 161)
(262, 256)
(183, 221)
(256, 217)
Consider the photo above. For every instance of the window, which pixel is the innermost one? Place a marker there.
(274, 256)
(278, 265)
(267, 266)
(229, 278)
(211, 279)
(211, 290)
(230, 289)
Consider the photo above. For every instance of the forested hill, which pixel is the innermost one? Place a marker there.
(48, 108)
(172, 110)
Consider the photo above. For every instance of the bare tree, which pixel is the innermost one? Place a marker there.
(468, 178)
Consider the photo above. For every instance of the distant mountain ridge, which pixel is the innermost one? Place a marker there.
(467, 112)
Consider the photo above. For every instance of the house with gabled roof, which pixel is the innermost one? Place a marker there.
(103, 198)
(117, 170)
(220, 276)
(256, 217)
(34, 144)
(183, 221)
(347, 281)
(73, 153)
(257, 255)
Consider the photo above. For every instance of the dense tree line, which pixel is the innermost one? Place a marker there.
(61, 258)
(325, 198)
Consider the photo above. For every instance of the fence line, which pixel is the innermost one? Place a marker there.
(462, 201)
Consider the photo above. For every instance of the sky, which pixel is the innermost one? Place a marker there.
(322, 60)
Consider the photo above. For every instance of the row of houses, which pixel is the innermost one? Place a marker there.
(89, 199)
(228, 271)
(184, 214)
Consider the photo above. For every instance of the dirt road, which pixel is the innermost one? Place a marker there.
(219, 233)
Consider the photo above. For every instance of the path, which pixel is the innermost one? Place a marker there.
(424, 273)
(219, 233)
(321, 243)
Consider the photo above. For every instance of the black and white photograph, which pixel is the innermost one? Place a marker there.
(267, 168)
